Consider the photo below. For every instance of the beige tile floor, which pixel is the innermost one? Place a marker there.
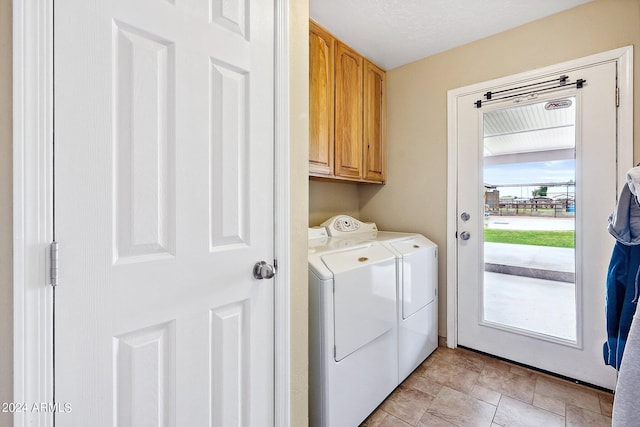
(458, 387)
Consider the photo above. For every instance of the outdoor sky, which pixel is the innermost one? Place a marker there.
(528, 173)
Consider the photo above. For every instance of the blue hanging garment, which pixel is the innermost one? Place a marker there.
(624, 270)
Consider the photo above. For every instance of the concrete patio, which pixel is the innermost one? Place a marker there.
(531, 287)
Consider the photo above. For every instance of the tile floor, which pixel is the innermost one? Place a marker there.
(458, 387)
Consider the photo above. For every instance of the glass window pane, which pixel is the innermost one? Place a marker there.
(529, 225)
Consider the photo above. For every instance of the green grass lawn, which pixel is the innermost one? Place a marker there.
(558, 239)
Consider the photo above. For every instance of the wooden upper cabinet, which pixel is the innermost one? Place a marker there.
(374, 122)
(348, 110)
(321, 100)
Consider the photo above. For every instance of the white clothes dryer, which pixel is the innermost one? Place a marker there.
(417, 285)
(352, 329)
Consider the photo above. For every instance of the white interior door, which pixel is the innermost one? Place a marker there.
(498, 298)
(163, 203)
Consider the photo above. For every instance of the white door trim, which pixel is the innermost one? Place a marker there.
(33, 210)
(282, 185)
(623, 55)
(32, 207)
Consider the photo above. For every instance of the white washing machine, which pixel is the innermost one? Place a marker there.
(417, 283)
(352, 329)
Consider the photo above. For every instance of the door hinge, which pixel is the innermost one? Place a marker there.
(53, 257)
(617, 96)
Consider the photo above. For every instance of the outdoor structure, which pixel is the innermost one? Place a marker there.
(491, 200)
(557, 201)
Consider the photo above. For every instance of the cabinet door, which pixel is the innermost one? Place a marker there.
(374, 122)
(321, 97)
(348, 121)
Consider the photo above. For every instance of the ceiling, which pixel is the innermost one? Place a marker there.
(392, 33)
(538, 127)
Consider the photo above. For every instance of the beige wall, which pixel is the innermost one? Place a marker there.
(327, 199)
(415, 197)
(6, 209)
(299, 155)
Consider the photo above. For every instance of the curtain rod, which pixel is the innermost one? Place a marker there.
(562, 83)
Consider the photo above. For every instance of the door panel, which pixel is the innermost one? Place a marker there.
(374, 126)
(164, 201)
(348, 121)
(144, 175)
(321, 94)
(595, 197)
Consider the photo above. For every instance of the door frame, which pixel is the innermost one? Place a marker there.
(33, 211)
(623, 55)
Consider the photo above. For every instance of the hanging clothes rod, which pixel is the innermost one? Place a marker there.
(562, 83)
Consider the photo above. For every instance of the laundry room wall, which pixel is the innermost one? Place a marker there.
(299, 212)
(415, 196)
(327, 199)
(6, 212)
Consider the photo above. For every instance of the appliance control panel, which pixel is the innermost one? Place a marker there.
(344, 225)
(317, 233)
